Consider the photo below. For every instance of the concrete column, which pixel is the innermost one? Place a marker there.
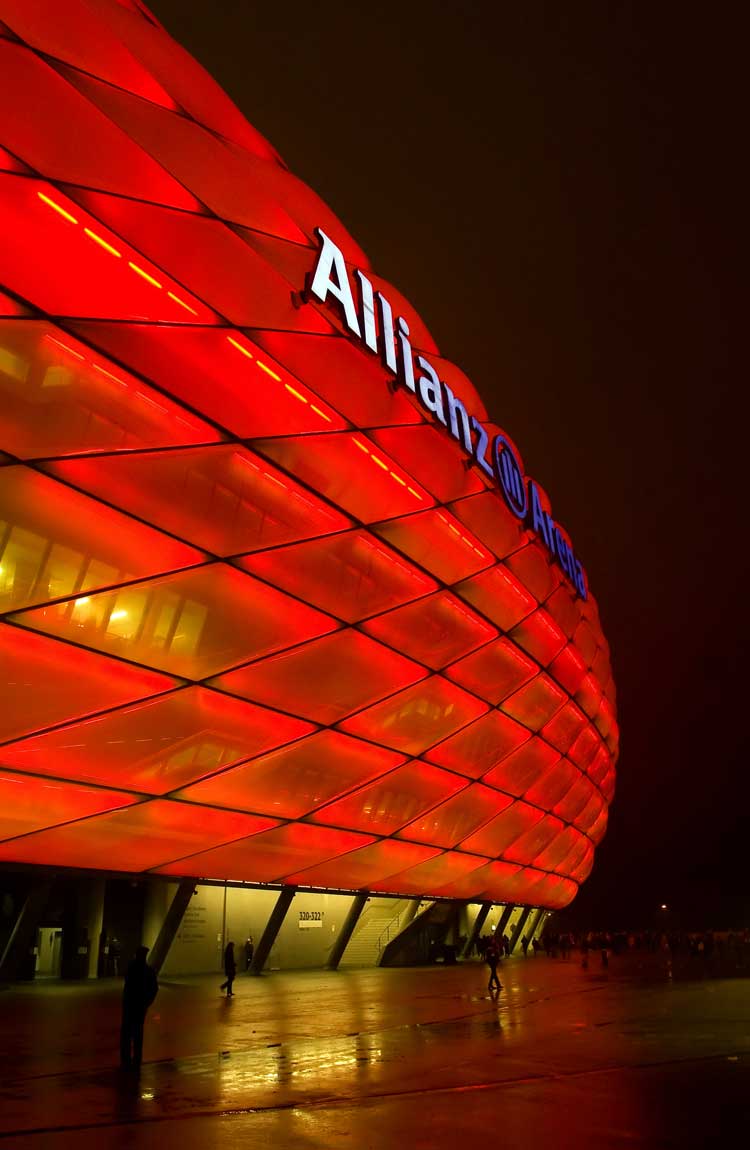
(504, 920)
(21, 941)
(519, 927)
(409, 912)
(534, 924)
(171, 924)
(342, 939)
(93, 919)
(540, 924)
(273, 926)
(476, 929)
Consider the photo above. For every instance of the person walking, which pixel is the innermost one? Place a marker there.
(230, 969)
(140, 990)
(249, 951)
(492, 957)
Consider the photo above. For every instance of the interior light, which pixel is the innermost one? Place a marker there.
(56, 208)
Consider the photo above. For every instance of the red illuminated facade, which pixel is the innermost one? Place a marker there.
(259, 620)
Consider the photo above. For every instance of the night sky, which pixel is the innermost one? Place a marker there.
(554, 187)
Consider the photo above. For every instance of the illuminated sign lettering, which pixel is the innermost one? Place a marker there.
(371, 321)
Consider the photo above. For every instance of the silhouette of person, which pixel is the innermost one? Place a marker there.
(230, 969)
(249, 951)
(140, 990)
(492, 958)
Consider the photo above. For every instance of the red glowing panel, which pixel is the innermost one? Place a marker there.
(29, 804)
(436, 463)
(50, 126)
(350, 575)
(61, 258)
(57, 542)
(223, 498)
(451, 821)
(570, 807)
(295, 779)
(586, 641)
(270, 857)
(194, 624)
(351, 382)
(418, 717)
(365, 867)
(502, 882)
(349, 472)
(599, 766)
(600, 667)
(9, 163)
(80, 36)
(60, 398)
(591, 814)
(548, 790)
(495, 837)
(498, 595)
(480, 746)
(540, 636)
(568, 669)
(535, 840)
(494, 672)
(43, 682)
(386, 805)
(598, 828)
(589, 696)
(585, 748)
(553, 892)
(582, 870)
(491, 521)
(219, 373)
(532, 567)
(157, 745)
(208, 256)
(564, 608)
(142, 836)
(226, 180)
(535, 703)
(9, 307)
(564, 728)
(522, 767)
(565, 844)
(436, 541)
(324, 680)
(429, 877)
(604, 718)
(435, 630)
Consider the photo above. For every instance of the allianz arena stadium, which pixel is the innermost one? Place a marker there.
(280, 611)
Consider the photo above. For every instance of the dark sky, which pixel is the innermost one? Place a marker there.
(554, 187)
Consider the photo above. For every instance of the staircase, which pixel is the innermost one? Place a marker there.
(378, 922)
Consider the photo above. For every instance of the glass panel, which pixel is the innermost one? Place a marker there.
(349, 575)
(350, 380)
(521, 769)
(65, 262)
(219, 373)
(387, 804)
(272, 856)
(224, 498)
(324, 680)
(436, 463)
(367, 866)
(540, 636)
(193, 624)
(43, 682)
(60, 398)
(157, 745)
(428, 877)
(496, 836)
(56, 131)
(480, 746)
(567, 843)
(498, 595)
(29, 804)
(56, 542)
(535, 840)
(345, 470)
(435, 541)
(568, 669)
(435, 630)
(292, 781)
(564, 608)
(142, 836)
(418, 717)
(491, 521)
(564, 728)
(535, 703)
(453, 820)
(532, 567)
(576, 799)
(494, 672)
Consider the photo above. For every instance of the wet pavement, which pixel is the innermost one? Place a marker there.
(374, 1058)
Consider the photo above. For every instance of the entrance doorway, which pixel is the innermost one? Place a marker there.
(49, 952)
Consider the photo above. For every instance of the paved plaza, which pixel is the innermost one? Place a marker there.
(384, 1058)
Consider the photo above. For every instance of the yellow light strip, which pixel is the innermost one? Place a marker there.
(182, 303)
(272, 374)
(102, 243)
(144, 275)
(65, 347)
(291, 391)
(322, 414)
(56, 208)
(240, 347)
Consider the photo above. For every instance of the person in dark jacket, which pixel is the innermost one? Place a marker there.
(230, 969)
(140, 990)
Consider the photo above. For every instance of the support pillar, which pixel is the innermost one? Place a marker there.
(171, 924)
(273, 926)
(519, 927)
(504, 920)
(93, 910)
(347, 930)
(535, 923)
(476, 929)
(540, 924)
(21, 941)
